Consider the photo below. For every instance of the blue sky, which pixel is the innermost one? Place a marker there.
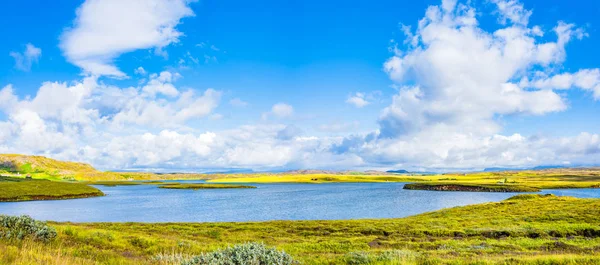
(310, 56)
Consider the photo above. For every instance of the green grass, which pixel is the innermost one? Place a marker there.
(309, 178)
(40, 167)
(528, 180)
(14, 189)
(194, 186)
(526, 229)
(470, 187)
(123, 183)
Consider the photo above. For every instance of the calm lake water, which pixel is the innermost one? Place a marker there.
(147, 203)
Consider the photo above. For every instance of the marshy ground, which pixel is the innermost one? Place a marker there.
(526, 229)
(20, 189)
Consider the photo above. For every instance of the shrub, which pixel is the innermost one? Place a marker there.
(245, 254)
(386, 257)
(357, 258)
(22, 227)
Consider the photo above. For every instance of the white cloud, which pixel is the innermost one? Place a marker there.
(455, 82)
(237, 102)
(140, 71)
(131, 25)
(586, 79)
(162, 84)
(337, 127)
(282, 110)
(463, 73)
(7, 98)
(358, 100)
(140, 110)
(461, 80)
(24, 60)
(513, 11)
(216, 116)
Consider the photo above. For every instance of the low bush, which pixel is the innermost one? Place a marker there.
(386, 257)
(22, 227)
(245, 254)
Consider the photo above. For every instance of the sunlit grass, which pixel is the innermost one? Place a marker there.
(529, 229)
(198, 186)
(528, 180)
(24, 190)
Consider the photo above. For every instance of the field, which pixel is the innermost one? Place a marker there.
(40, 167)
(470, 187)
(527, 229)
(186, 186)
(312, 178)
(15, 189)
(567, 178)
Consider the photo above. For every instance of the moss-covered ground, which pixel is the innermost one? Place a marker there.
(527, 229)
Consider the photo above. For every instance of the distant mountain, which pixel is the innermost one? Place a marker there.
(547, 167)
(499, 169)
(232, 171)
(398, 171)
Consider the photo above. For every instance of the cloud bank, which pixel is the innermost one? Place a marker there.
(455, 82)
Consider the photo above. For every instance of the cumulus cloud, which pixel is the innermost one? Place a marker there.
(358, 100)
(513, 11)
(237, 102)
(131, 25)
(455, 81)
(282, 110)
(162, 84)
(586, 79)
(279, 110)
(289, 132)
(463, 74)
(24, 60)
(336, 127)
(140, 71)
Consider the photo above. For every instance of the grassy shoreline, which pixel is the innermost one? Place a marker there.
(526, 229)
(13, 190)
(194, 186)
(469, 187)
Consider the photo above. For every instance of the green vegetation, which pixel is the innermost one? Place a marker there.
(470, 187)
(24, 227)
(244, 254)
(197, 186)
(15, 189)
(123, 183)
(526, 180)
(310, 178)
(39, 167)
(526, 229)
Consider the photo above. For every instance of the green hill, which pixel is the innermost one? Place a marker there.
(43, 167)
(40, 167)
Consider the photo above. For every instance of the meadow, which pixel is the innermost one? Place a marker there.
(39, 167)
(194, 186)
(526, 229)
(19, 189)
(525, 180)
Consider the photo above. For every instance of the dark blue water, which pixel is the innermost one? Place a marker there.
(147, 203)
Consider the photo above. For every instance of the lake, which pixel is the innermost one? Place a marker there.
(148, 203)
